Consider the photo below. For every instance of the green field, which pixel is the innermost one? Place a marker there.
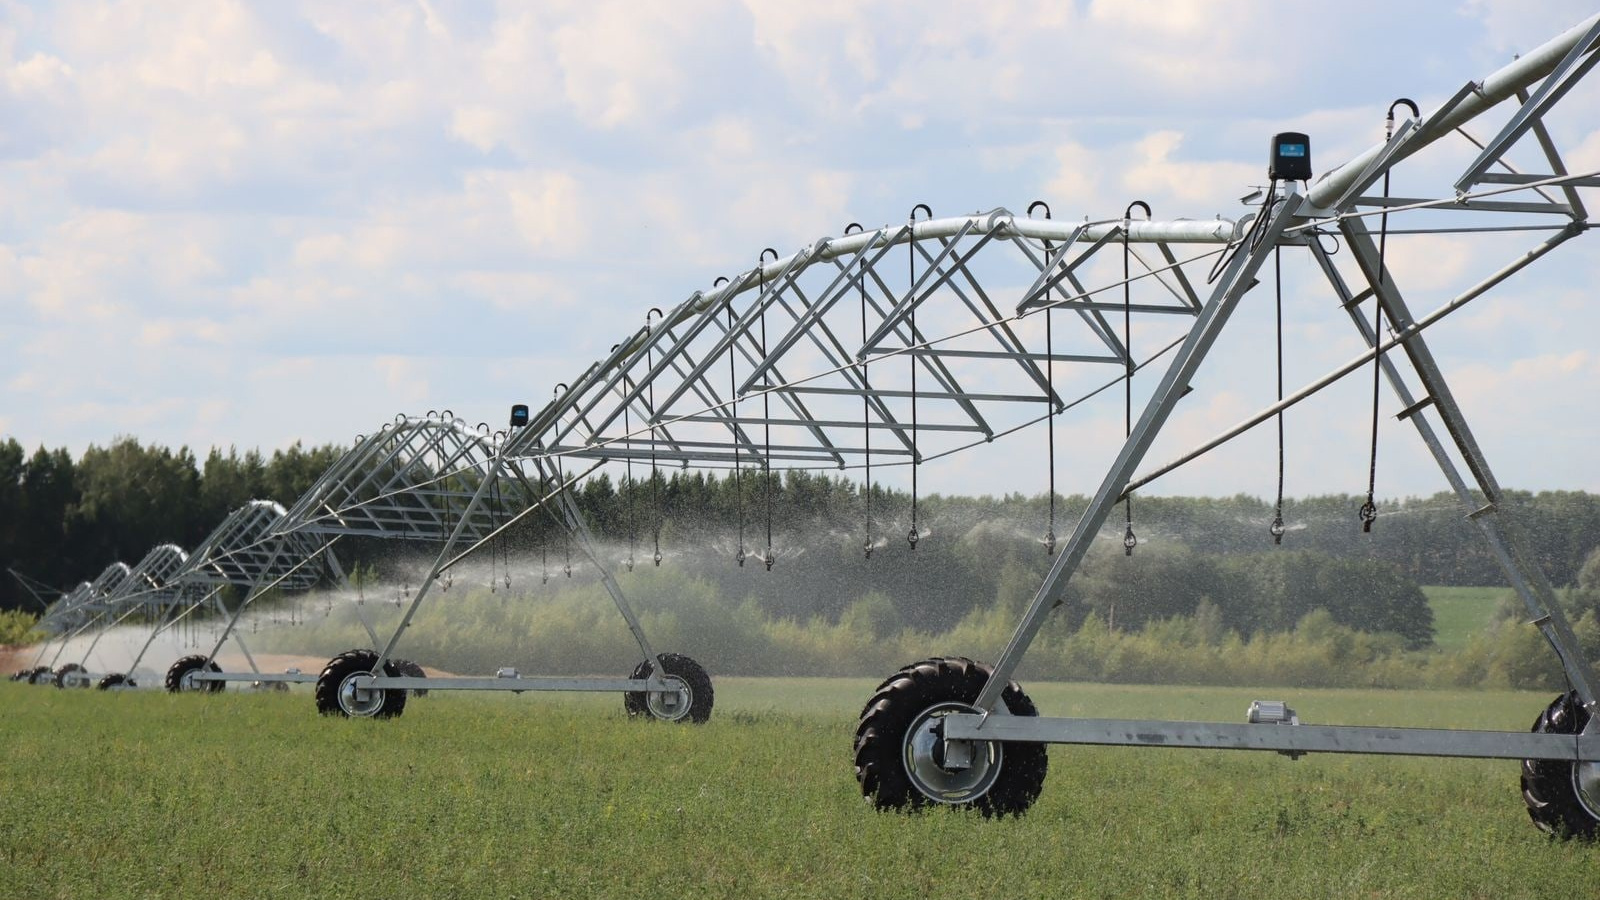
(253, 795)
(1461, 612)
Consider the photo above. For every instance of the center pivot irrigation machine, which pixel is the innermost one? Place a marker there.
(900, 345)
(436, 480)
(71, 615)
(244, 552)
(893, 347)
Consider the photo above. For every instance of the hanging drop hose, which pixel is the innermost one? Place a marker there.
(544, 543)
(1129, 540)
(1276, 528)
(1049, 399)
(505, 547)
(494, 529)
(914, 534)
(561, 483)
(733, 426)
(633, 529)
(866, 395)
(1369, 510)
(655, 497)
(766, 408)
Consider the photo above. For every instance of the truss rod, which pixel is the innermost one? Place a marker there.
(1365, 358)
(1494, 89)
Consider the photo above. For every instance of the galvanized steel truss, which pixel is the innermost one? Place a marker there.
(919, 334)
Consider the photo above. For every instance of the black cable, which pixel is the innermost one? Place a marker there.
(733, 423)
(499, 539)
(1050, 396)
(655, 495)
(866, 397)
(911, 297)
(1252, 238)
(633, 529)
(566, 530)
(1276, 529)
(1129, 540)
(766, 408)
(1369, 510)
(1050, 379)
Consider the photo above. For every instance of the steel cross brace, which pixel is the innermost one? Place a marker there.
(1498, 526)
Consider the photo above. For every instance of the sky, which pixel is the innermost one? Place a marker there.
(251, 224)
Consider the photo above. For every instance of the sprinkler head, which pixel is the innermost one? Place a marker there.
(1368, 514)
(657, 557)
(912, 537)
(1129, 541)
(740, 557)
(1050, 542)
(1276, 528)
(769, 560)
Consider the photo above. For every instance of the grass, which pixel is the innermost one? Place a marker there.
(1459, 613)
(253, 795)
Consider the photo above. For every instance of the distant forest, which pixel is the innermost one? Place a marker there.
(62, 520)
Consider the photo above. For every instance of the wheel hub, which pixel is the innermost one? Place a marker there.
(357, 701)
(190, 681)
(1586, 784)
(673, 703)
(923, 755)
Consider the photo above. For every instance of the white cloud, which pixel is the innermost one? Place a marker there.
(1189, 183)
(402, 204)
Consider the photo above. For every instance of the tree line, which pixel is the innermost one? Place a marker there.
(63, 519)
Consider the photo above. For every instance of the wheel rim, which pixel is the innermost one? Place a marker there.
(190, 680)
(672, 704)
(1586, 784)
(934, 781)
(356, 701)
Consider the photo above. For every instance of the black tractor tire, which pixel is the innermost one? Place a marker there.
(64, 671)
(115, 679)
(332, 697)
(411, 670)
(178, 671)
(701, 695)
(1549, 786)
(41, 675)
(911, 701)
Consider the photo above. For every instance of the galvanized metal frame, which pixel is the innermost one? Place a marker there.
(425, 479)
(819, 295)
(120, 592)
(428, 479)
(245, 550)
(79, 610)
(1337, 200)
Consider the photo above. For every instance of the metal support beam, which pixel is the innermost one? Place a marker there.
(1293, 739)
